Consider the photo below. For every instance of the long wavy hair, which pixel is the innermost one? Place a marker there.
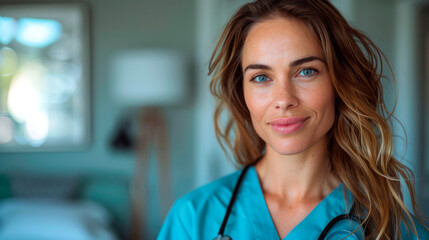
(360, 141)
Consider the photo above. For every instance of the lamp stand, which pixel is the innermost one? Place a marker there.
(152, 131)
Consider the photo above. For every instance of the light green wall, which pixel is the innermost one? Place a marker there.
(394, 27)
(117, 25)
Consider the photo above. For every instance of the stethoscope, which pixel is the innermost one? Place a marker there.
(322, 236)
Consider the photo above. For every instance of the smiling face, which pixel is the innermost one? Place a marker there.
(287, 87)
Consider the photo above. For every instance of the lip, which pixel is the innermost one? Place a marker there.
(288, 125)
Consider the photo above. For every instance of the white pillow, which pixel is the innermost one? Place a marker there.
(48, 220)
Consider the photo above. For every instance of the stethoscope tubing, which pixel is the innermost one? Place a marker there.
(232, 200)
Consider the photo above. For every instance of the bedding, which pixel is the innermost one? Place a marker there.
(38, 219)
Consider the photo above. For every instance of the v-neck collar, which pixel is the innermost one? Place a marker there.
(338, 202)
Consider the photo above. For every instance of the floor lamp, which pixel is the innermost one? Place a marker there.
(149, 79)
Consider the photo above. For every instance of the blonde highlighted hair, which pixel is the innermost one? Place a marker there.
(360, 141)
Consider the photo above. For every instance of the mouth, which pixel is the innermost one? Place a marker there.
(288, 125)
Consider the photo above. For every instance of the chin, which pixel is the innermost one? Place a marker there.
(289, 149)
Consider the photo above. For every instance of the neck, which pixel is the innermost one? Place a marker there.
(303, 176)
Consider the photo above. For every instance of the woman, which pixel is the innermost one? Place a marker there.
(308, 120)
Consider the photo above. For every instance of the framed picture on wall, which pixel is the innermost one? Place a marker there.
(44, 77)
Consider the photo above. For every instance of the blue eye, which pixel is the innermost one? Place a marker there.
(307, 72)
(260, 78)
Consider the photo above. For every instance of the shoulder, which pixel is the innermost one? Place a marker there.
(219, 190)
(215, 189)
(193, 208)
(422, 232)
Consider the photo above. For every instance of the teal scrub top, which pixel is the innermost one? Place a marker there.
(199, 214)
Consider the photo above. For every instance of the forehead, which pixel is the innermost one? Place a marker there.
(280, 38)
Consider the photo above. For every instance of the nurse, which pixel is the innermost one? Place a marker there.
(309, 125)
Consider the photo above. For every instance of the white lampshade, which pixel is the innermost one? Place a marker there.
(152, 77)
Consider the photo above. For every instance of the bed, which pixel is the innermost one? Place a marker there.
(50, 208)
(29, 219)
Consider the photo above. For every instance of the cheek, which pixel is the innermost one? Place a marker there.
(257, 103)
(322, 101)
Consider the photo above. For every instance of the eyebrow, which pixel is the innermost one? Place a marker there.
(292, 64)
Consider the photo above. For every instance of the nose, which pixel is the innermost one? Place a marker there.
(285, 96)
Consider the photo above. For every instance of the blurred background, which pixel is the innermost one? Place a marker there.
(96, 146)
